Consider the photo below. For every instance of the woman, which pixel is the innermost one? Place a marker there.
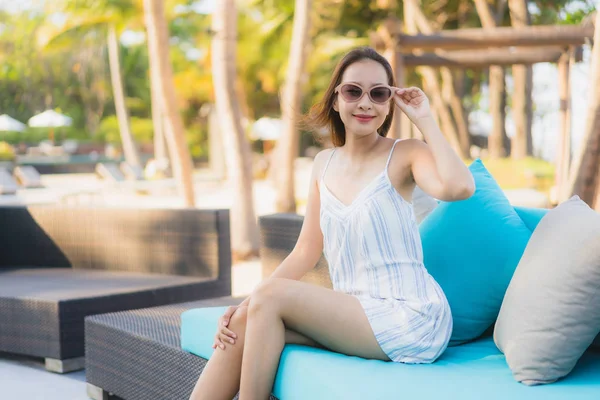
(384, 304)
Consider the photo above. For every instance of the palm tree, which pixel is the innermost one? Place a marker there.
(412, 15)
(237, 149)
(160, 145)
(585, 170)
(131, 154)
(158, 50)
(105, 18)
(291, 105)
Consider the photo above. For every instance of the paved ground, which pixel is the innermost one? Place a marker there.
(23, 378)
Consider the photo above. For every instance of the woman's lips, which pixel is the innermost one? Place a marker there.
(364, 118)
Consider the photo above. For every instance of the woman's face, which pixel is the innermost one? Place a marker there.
(362, 117)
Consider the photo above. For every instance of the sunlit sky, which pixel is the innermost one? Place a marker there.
(200, 6)
(18, 5)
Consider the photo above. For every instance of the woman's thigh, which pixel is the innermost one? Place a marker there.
(333, 319)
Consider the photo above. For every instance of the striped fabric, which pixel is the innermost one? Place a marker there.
(374, 253)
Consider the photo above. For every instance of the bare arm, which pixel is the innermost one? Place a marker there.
(435, 166)
(309, 247)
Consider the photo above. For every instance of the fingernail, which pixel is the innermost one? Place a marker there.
(234, 336)
(231, 340)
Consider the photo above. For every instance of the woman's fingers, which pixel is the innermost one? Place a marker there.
(227, 316)
(226, 339)
(228, 334)
(218, 343)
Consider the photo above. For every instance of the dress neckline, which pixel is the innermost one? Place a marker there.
(364, 191)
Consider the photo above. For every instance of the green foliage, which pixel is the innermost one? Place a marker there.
(196, 138)
(141, 129)
(72, 74)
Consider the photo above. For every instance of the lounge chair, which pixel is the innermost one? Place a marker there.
(60, 264)
(110, 172)
(8, 185)
(28, 176)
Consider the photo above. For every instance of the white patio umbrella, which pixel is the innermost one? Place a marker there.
(50, 119)
(266, 128)
(9, 124)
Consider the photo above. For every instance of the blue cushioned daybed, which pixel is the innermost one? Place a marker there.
(471, 371)
(472, 248)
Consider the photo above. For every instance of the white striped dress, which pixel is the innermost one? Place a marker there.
(374, 253)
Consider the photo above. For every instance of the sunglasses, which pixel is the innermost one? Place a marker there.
(352, 92)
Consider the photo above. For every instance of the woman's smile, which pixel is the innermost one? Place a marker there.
(364, 118)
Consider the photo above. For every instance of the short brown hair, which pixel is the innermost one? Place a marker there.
(322, 115)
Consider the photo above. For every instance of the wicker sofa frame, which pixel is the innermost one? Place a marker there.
(61, 264)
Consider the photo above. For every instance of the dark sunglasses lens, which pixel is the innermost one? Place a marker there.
(381, 94)
(351, 92)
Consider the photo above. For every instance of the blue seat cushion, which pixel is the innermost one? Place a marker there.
(471, 371)
(472, 248)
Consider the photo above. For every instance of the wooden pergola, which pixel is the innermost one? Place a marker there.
(506, 46)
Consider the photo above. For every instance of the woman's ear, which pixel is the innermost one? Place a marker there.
(335, 105)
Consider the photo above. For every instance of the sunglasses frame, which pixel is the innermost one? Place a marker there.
(391, 88)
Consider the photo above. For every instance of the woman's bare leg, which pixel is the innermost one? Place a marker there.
(220, 378)
(334, 319)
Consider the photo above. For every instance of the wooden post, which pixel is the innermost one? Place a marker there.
(481, 38)
(522, 141)
(497, 90)
(484, 58)
(563, 150)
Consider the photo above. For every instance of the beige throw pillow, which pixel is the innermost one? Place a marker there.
(551, 310)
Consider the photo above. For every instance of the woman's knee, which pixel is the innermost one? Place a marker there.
(266, 294)
(238, 319)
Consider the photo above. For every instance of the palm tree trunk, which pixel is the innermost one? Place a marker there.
(131, 154)
(522, 142)
(244, 239)
(388, 32)
(160, 145)
(460, 118)
(158, 50)
(585, 171)
(291, 108)
(497, 89)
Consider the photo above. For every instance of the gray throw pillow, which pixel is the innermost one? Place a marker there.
(551, 310)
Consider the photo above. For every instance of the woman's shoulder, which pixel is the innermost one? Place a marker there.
(323, 156)
(408, 147)
(320, 161)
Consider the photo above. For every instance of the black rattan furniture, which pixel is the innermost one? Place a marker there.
(60, 264)
(137, 355)
(278, 236)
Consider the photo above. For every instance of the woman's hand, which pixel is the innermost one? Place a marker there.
(224, 335)
(413, 102)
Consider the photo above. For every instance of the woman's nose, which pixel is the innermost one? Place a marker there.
(365, 102)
